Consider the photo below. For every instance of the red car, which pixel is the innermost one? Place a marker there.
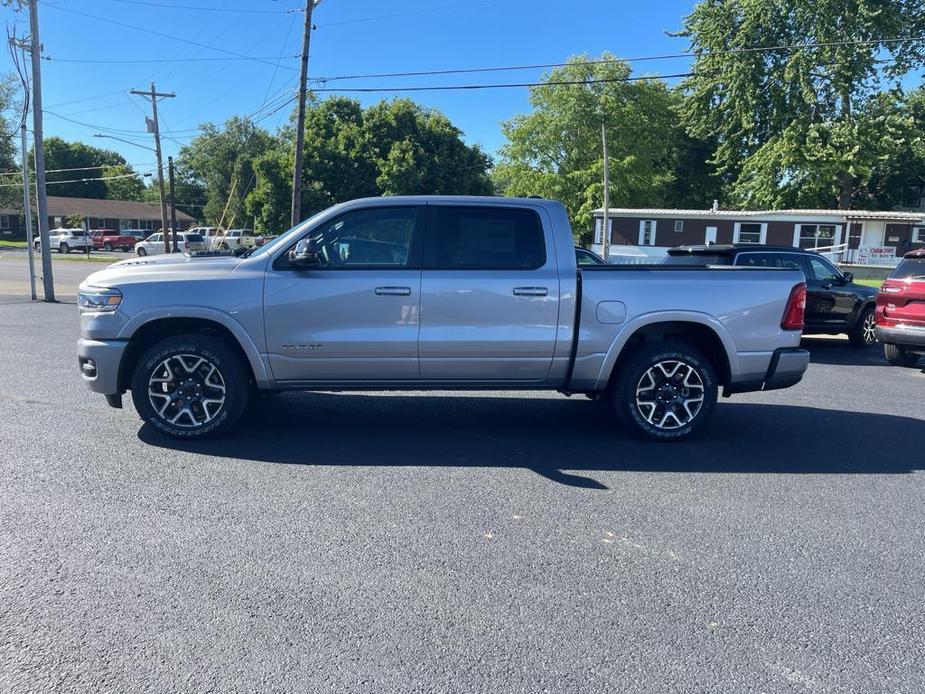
(901, 311)
(109, 239)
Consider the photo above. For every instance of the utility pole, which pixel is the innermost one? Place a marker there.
(27, 207)
(296, 216)
(152, 127)
(173, 205)
(48, 281)
(605, 230)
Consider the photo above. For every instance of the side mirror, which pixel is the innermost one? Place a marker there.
(305, 254)
(849, 277)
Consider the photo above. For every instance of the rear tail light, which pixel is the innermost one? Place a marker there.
(796, 308)
(186, 245)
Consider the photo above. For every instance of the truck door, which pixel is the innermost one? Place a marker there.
(354, 317)
(489, 294)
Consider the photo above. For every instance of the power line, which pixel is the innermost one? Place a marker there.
(646, 58)
(85, 180)
(79, 168)
(149, 3)
(162, 34)
(506, 85)
(123, 61)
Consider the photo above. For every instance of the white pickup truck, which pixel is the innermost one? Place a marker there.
(434, 293)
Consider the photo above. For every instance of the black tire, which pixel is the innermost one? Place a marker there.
(862, 334)
(142, 252)
(64, 248)
(899, 356)
(187, 390)
(667, 396)
(107, 247)
(37, 246)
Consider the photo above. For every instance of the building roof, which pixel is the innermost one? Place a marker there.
(762, 214)
(59, 206)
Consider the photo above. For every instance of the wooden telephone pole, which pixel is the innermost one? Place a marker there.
(153, 127)
(48, 282)
(296, 215)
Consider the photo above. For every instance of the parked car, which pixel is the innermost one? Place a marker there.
(233, 239)
(901, 311)
(154, 244)
(834, 303)
(486, 295)
(586, 257)
(109, 239)
(65, 240)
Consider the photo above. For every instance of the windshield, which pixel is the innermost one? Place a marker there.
(910, 268)
(287, 237)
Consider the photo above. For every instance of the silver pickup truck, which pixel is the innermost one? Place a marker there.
(434, 293)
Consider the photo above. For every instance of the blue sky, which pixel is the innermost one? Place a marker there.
(352, 37)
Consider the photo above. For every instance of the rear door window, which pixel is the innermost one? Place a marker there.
(485, 238)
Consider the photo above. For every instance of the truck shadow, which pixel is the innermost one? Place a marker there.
(840, 353)
(554, 437)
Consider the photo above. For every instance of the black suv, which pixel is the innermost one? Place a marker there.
(834, 303)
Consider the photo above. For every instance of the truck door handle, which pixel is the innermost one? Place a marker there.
(393, 291)
(530, 291)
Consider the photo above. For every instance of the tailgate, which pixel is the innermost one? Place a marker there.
(906, 305)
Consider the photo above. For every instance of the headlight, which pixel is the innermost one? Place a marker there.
(93, 299)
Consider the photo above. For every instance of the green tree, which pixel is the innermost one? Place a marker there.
(556, 151)
(124, 183)
(191, 194)
(419, 151)
(391, 148)
(84, 161)
(897, 181)
(804, 125)
(11, 190)
(222, 161)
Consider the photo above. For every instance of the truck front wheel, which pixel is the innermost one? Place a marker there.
(665, 391)
(190, 386)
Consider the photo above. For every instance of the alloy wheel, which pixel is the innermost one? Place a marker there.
(186, 390)
(869, 329)
(670, 394)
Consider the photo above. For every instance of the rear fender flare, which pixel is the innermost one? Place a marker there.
(630, 328)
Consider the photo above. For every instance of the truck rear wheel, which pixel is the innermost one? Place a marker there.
(190, 386)
(665, 391)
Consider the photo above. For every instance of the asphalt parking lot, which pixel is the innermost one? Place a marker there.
(460, 542)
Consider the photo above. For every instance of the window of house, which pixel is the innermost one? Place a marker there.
(749, 232)
(679, 225)
(598, 225)
(647, 232)
(5, 222)
(918, 234)
(816, 235)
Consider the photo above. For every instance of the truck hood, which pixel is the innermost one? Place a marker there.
(166, 268)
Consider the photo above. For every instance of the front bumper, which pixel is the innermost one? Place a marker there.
(786, 368)
(902, 334)
(99, 362)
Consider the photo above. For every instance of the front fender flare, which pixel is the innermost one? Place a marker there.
(250, 349)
